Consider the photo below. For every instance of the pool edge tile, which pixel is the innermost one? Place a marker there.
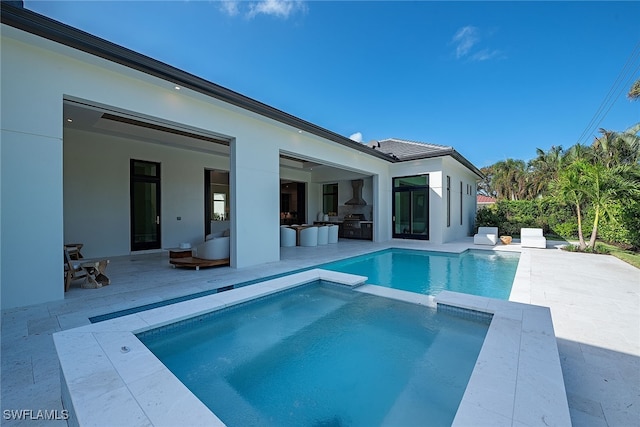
(493, 394)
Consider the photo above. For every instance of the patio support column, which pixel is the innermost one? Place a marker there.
(255, 193)
(31, 212)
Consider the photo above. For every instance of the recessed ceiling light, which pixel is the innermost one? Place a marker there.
(70, 120)
(299, 131)
(176, 87)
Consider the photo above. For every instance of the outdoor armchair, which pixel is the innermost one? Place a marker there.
(486, 236)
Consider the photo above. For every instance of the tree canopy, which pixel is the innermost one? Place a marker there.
(597, 181)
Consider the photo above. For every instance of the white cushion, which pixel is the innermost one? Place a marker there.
(486, 236)
(216, 248)
(532, 238)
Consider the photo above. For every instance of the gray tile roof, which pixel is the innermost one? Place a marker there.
(404, 149)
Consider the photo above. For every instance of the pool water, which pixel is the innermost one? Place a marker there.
(477, 272)
(324, 355)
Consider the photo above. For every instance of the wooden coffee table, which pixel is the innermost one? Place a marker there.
(193, 262)
(180, 252)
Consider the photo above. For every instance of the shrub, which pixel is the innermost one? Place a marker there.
(510, 216)
(623, 227)
(599, 249)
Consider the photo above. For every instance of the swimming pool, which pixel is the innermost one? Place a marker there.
(323, 354)
(476, 272)
(109, 377)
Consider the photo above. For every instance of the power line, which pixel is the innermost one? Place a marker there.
(623, 80)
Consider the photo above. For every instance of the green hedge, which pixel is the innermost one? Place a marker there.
(512, 215)
(623, 227)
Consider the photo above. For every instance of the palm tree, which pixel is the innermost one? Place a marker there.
(617, 148)
(634, 92)
(510, 179)
(568, 188)
(485, 186)
(579, 152)
(631, 140)
(544, 169)
(603, 186)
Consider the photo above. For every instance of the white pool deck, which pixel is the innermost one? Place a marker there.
(594, 302)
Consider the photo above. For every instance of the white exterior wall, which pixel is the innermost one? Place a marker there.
(96, 191)
(433, 168)
(438, 169)
(31, 192)
(459, 173)
(37, 75)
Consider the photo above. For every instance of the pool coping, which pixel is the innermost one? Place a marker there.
(109, 377)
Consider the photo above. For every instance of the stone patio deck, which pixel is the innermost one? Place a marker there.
(594, 301)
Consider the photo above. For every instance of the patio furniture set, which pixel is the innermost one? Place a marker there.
(308, 235)
(213, 252)
(529, 237)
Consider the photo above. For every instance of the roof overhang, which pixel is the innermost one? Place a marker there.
(50, 29)
(58, 32)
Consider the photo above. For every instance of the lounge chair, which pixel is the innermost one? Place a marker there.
(91, 270)
(532, 238)
(486, 236)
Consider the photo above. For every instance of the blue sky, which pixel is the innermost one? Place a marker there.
(495, 80)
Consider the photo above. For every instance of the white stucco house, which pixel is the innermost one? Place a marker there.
(108, 147)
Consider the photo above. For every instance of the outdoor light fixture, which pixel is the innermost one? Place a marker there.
(176, 87)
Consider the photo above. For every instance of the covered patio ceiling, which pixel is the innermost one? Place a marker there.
(88, 117)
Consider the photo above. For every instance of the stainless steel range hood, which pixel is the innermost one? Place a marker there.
(357, 199)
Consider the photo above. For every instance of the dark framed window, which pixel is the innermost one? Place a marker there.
(460, 202)
(330, 199)
(410, 207)
(448, 201)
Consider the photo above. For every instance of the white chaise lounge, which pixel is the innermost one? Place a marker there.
(486, 236)
(532, 238)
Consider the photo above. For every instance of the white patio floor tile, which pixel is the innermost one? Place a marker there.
(594, 302)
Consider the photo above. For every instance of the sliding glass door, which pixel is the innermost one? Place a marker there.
(411, 207)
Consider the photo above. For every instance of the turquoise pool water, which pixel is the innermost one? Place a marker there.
(323, 355)
(477, 272)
